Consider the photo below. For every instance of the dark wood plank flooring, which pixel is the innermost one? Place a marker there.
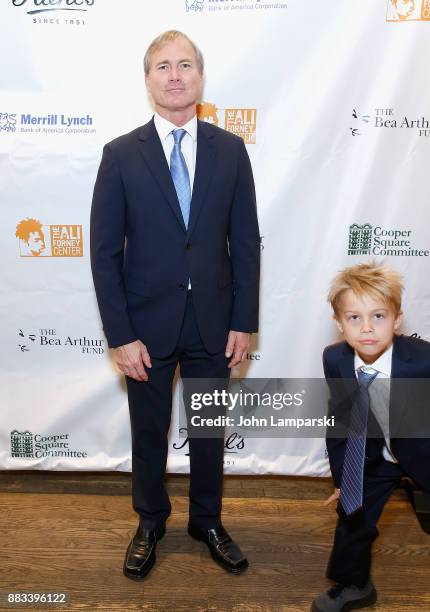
(62, 531)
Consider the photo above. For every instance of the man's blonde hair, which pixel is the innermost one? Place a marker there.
(165, 38)
(373, 279)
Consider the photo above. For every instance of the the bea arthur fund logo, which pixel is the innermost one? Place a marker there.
(37, 240)
(408, 10)
(213, 6)
(48, 339)
(56, 12)
(26, 445)
(385, 119)
(239, 121)
(367, 239)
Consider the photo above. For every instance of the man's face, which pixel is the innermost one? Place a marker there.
(174, 80)
(368, 325)
(36, 243)
(404, 8)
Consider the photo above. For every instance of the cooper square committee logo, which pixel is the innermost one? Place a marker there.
(37, 240)
(376, 240)
(21, 444)
(26, 445)
(239, 121)
(408, 10)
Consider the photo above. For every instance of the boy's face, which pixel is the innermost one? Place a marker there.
(367, 324)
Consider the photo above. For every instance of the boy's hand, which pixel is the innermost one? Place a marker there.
(333, 497)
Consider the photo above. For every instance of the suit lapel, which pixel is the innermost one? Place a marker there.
(399, 390)
(203, 173)
(152, 151)
(346, 368)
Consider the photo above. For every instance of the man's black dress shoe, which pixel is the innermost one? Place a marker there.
(140, 555)
(222, 548)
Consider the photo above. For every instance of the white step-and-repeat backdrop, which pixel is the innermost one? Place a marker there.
(333, 102)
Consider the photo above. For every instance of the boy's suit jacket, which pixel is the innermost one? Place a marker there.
(411, 360)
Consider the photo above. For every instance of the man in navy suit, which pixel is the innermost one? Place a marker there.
(381, 413)
(175, 260)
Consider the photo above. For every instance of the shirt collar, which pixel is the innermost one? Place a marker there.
(165, 127)
(382, 364)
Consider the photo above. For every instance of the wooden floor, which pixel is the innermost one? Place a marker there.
(64, 532)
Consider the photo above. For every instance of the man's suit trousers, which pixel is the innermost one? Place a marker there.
(150, 406)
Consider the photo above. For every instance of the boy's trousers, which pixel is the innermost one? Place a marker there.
(351, 555)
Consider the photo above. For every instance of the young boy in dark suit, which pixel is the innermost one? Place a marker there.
(366, 301)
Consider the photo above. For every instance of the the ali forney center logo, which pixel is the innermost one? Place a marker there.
(408, 10)
(26, 445)
(37, 240)
(367, 239)
(56, 12)
(239, 121)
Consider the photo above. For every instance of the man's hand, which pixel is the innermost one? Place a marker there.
(131, 359)
(333, 497)
(238, 344)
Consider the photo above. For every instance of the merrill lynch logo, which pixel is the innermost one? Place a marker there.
(7, 122)
(61, 5)
(194, 5)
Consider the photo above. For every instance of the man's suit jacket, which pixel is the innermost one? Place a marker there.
(411, 360)
(142, 255)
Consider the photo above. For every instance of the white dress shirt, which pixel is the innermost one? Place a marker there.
(380, 394)
(188, 144)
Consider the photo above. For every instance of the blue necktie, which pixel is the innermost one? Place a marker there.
(180, 176)
(351, 488)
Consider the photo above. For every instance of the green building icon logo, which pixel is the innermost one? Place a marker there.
(21, 443)
(360, 239)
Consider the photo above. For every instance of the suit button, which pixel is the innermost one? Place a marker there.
(182, 286)
(188, 246)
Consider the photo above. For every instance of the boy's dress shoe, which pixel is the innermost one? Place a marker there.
(140, 555)
(222, 548)
(344, 598)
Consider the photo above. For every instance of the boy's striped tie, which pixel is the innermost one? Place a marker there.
(351, 488)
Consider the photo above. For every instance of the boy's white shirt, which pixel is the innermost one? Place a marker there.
(380, 394)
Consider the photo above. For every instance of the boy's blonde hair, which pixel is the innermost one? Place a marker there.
(376, 280)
